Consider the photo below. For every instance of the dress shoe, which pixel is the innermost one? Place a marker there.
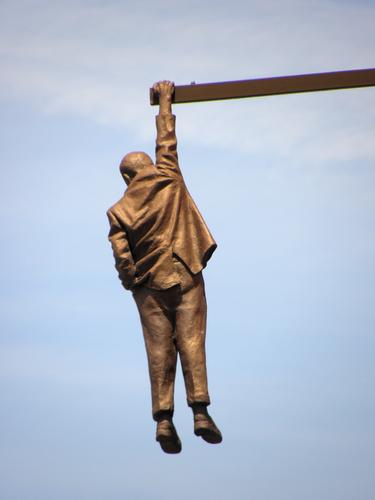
(205, 427)
(167, 437)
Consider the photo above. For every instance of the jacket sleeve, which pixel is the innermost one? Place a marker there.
(124, 261)
(166, 144)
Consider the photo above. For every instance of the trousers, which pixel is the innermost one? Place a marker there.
(174, 323)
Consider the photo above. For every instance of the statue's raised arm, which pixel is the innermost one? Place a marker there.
(166, 141)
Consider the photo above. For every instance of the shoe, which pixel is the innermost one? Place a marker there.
(167, 437)
(206, 428)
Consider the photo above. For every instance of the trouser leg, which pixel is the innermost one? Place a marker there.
(191, 314)
(158, 331)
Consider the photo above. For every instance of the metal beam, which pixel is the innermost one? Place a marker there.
(270, 86)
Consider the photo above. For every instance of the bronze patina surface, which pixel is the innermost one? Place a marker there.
(161, 244)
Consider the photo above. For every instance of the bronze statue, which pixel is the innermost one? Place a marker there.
(161, 244)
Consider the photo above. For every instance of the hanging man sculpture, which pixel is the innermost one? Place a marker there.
(161, 244)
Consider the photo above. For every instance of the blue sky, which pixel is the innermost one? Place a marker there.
(287, 187)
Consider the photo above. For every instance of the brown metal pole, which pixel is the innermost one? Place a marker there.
(271, 86)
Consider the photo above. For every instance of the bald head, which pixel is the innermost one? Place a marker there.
(132, 163)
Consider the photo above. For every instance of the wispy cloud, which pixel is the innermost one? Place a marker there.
(97, 60)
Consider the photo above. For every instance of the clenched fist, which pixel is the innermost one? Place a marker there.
(164, 88)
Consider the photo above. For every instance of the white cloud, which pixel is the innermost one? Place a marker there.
(97, 60)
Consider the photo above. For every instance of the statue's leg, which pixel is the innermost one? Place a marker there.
(191, 316)
(158, 330)
(190, 335)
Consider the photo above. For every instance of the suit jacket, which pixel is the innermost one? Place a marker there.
(157, 218)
